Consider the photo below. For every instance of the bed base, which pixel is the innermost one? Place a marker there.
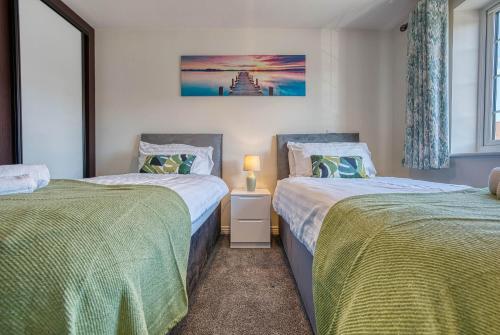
(299, 258)
(202, 244)
(301, 263)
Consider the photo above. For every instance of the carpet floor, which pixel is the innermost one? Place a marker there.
(246, 291)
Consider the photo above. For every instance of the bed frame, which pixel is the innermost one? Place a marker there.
(299, 258)
(204, 240)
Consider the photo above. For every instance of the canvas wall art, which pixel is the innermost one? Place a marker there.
(261, 75)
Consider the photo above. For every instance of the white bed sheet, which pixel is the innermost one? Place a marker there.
(201, 193)
(304, 202)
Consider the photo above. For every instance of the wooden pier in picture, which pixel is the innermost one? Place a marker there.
(245, 85)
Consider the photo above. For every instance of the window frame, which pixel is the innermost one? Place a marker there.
(487, 62)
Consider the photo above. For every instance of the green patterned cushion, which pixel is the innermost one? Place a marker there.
(338, 167)
(163, 164)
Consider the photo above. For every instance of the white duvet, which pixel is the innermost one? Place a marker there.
(304, 202)
(200, 192)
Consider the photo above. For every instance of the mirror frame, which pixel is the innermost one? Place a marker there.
(88, 82)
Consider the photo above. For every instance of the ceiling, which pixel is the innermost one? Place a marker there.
(186, 14)
(471, 4)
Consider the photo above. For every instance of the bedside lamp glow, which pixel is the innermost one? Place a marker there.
(251, 164)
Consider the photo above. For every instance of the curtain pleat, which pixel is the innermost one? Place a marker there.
(427, 107)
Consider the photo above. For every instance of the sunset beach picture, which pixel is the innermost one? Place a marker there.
(262, 75)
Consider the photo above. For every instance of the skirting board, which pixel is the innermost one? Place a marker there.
(226, 230)
(250, 245)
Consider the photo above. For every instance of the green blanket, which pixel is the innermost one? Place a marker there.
(79, 258)
(409, 264)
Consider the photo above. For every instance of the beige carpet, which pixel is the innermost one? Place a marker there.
(246, 291)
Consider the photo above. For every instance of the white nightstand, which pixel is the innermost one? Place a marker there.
(250, 219)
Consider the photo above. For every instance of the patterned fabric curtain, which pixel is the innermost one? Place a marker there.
(427, 110)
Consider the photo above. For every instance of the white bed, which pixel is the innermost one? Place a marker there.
(304, 201)
(201, 193)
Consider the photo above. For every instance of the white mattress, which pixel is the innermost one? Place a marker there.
(304, 202)
(202, 194)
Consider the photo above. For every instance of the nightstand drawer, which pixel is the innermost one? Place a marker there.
(250, 207)
(258, 231)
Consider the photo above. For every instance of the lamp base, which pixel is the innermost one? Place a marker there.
(251, 183)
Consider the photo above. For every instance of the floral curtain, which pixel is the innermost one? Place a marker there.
(427, 107)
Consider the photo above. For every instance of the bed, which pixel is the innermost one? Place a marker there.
(330, 230)
(204, 206)
(115, 254)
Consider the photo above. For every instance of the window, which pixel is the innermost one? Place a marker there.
(475, 77)
(491, 119)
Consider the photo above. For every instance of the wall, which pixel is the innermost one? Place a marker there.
(137, 91)
(470, 170)
(398, 98)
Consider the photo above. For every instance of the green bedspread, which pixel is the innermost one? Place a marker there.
(409, 264)
(79, 258)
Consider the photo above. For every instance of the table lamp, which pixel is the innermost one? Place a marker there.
(251, 164)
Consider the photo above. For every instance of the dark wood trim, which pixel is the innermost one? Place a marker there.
(89, 100)
(6, 140)
(88, 81)
(62, 9)
(16, 85)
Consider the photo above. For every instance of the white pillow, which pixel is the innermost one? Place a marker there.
(302, 155)
(202, 164)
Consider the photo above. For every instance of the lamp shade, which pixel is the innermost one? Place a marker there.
(251, 163)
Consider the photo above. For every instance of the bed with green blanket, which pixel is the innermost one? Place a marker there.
(409, 264)
(80, 258)
(387, 255)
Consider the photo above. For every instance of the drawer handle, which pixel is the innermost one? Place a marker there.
(250, 198)
(251, 221)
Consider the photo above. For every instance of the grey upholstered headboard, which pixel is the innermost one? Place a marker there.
(282, 140)
(198, 140)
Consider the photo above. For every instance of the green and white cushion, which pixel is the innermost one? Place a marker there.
(168, 164)
(338, 167)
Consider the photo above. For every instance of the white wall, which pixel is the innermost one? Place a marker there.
(398, 98)
(137, 91)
